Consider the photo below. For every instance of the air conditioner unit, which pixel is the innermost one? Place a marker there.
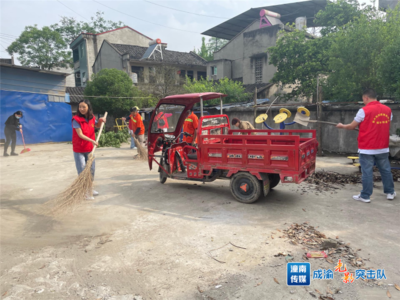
(77, 75)
(83, 79)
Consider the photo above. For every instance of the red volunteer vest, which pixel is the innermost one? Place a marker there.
(79, 145)
(374, 130)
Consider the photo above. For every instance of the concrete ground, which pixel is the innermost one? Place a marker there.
(140, 239)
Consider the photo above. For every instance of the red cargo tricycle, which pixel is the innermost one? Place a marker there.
(254, 161)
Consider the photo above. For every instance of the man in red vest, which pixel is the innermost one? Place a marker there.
(373, 144)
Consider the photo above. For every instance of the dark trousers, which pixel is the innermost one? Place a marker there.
(11, 137)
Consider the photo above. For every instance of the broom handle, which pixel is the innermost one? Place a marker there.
(23, 139)
(101, 130)
(325, 122)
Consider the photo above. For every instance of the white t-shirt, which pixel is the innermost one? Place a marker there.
(359, 118)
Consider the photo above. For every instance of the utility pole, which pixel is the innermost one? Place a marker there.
(319, 117)
(255, 105)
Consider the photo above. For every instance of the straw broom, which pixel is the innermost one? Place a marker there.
(142, 153)
(82, 187)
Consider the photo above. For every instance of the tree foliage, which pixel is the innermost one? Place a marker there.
(357, 50)
(234, 89)
(207, 49)
(70, 28)
(299, 59)
(389, 68)
(112, 83)
(204, 51)
(48, 47)
(43, 48)
(337, 14)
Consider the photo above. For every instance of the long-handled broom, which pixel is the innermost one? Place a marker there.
(81, 188)
(142, 153)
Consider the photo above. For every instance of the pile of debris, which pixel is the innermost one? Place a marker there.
(323, 180)
(333, 177)
(313, 240)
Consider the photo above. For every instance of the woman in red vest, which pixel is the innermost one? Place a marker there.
(83, 137)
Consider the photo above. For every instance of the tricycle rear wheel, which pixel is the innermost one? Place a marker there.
(274, 180)
(245, 187)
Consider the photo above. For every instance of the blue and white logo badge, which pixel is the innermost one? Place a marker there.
(298, 274)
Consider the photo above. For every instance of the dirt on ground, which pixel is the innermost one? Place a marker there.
(140, 239)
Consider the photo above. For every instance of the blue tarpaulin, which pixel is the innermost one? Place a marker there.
(42, 121)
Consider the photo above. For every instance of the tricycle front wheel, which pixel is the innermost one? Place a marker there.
(163, 175)
(245, 187)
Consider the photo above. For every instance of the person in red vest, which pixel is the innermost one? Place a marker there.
(136, 124)
(83, 137)
(130, 126)
(190, 126)
(373, 144)
(162, 122)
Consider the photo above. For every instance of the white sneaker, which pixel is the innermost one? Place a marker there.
(391, 196)
(95, 193)
(88, 197)
(358, 198)
(134, 148)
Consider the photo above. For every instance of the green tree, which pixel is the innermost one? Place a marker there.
(389, 68)
(112, 83)
(204, 52)
(234, 89)
(358, 52)
(299, 59)
(352, 56)
(214, 44)
(70, 28)
(207, 49)
(43, 48)
(337, 14)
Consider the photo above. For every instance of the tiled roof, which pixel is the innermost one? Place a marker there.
(75, 93)
(172, 57)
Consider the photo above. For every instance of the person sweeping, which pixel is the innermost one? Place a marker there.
(83, 137)
(12, 125)
(373, 144)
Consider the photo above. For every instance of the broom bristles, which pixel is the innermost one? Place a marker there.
(142, 153)
(77, 192)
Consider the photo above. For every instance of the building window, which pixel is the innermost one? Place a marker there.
(75, 55)
(139, 72)
(201, 75)
(182, 73)
(82, 51)
(53, 98)
(152, 75)
(258, 69)
(214, 70)
(190, 75)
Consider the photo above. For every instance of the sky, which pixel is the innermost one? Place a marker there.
(181, 30)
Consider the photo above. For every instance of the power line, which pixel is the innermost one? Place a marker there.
(188, 12)
(72, 10)
(6, 34)
(7, 38)
(144, 20)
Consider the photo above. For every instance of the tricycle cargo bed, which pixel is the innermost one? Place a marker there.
(291, 156)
